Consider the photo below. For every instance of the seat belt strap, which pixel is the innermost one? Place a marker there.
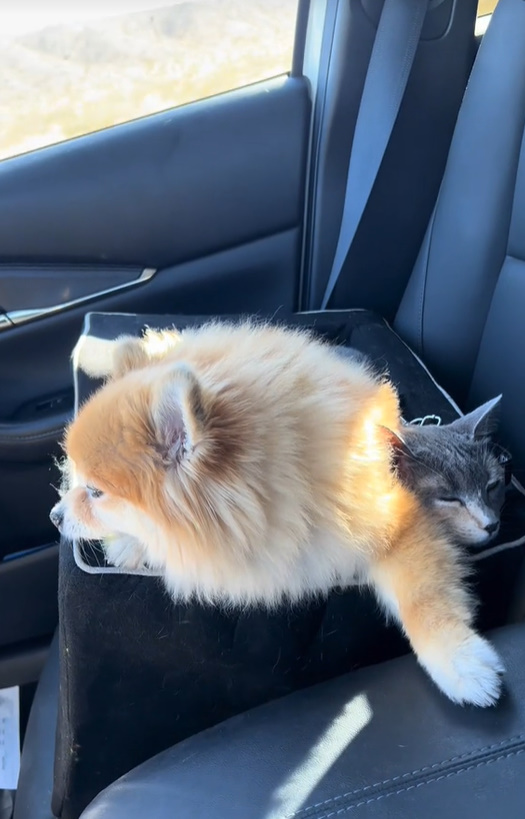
(388, 71)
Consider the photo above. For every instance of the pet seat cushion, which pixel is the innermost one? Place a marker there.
(139, 673)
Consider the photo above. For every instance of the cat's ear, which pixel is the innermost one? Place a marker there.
(402, 454)
(482, 422)
(393, 439)
(177, 414)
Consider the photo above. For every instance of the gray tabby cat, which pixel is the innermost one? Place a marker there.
(454, 468)
(457, 472)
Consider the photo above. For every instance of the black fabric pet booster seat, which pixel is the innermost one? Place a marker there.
(139, 673)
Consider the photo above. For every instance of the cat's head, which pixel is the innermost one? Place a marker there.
(457, 471)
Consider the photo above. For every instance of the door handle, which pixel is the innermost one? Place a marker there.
(15, 318)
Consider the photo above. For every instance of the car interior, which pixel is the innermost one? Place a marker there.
(232, 205)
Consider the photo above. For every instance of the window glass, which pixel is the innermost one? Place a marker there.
(68, 69)
(485, 9)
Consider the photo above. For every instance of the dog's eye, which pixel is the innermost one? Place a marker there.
(93, 492)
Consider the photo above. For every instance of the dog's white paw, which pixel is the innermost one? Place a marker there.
(124, 552)
(468, 673)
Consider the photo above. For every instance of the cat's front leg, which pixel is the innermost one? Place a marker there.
(421, 581)
(125, 552)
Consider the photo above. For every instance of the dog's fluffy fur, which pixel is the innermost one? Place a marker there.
(250, 463)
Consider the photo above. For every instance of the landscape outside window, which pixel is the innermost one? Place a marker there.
(486, 7)
(69, 68)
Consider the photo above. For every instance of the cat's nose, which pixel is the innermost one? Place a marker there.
(492, 528)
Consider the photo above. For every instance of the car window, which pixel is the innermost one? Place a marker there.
(485, 9)
(68, 69)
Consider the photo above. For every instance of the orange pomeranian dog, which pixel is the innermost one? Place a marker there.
(252, 464)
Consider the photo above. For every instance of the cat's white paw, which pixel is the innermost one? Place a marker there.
(124, 552)
(468, 673)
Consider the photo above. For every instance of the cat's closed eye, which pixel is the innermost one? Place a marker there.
(450, 500)
(493, 485)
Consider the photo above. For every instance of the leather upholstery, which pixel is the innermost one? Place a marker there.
(33, 798)
(463, 310)
(379, 742)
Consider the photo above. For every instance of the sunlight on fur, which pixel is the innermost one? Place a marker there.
(249, 464)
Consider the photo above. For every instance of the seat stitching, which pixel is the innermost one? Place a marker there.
(425, 782)
(418, 771)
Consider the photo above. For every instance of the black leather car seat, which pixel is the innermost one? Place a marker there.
(464, 308)
(381, 742)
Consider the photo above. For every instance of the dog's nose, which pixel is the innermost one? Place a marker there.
(491, 528)
(56, 517)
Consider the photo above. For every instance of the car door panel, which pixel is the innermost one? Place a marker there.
(165, 189)
(252, 278)
(31, 578)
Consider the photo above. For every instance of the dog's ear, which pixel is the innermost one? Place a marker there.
(178, 414)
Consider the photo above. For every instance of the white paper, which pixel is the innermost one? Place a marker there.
(9, 738)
